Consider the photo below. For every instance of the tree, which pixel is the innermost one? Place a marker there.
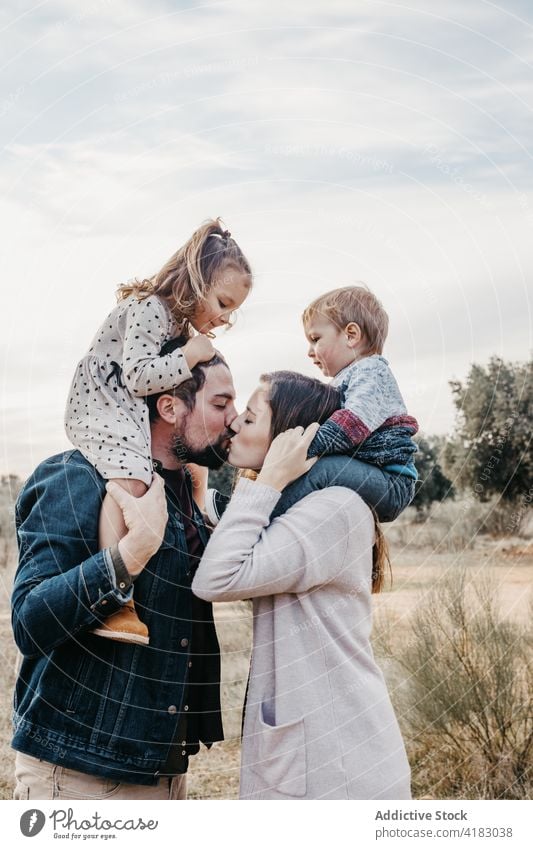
(222, 479)
(491, 453)
(432, 484)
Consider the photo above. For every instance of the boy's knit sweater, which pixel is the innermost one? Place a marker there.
(373, 423)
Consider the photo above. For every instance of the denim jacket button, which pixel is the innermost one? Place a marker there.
(184, 642)
(172, 709)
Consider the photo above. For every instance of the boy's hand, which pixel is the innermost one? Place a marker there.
(198, 350)
(145, 518)
(286, 458)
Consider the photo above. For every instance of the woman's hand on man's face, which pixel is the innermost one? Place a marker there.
(286, 458)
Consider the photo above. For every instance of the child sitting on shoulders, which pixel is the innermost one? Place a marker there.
(106, 417)
(346, 329)
(367, 444)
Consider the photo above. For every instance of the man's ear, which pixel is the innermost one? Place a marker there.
(170, 409)
(354, 334)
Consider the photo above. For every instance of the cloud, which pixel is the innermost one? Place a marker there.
(378, 142)
(86, 187)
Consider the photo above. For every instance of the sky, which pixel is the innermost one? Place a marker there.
(346, 141)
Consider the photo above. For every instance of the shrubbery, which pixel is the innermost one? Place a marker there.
(9, 489)
(456, 525)
(466, 699)
(490, 453)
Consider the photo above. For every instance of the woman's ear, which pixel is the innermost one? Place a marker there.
(354, 334)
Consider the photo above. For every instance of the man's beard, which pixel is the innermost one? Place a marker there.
(213, 456)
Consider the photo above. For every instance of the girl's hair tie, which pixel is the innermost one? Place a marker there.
(226, 235)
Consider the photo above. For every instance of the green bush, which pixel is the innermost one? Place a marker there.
(491, 452)
(432, 484)
(222, 479)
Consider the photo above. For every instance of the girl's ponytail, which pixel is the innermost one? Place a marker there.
(190, 273)
(201, 252)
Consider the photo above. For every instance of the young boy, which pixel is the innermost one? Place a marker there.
(346, 329)
(367, 444)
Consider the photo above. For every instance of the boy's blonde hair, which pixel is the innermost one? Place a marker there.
(352, 303)
(189, 274)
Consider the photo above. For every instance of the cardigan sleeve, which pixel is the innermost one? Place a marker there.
(247, 557)
(145, 371)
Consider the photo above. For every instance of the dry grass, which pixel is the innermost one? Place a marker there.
(7, 682)
(463, 689)
(215, 774)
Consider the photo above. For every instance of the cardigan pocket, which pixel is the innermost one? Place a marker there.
(281, 758)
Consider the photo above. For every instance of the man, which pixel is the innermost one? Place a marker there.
(95, 718)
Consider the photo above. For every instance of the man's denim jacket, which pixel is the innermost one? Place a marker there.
(84, 702)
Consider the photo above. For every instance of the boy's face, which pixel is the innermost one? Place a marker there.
(328, 346)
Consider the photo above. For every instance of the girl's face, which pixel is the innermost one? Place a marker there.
(226, 295)
(249, 446)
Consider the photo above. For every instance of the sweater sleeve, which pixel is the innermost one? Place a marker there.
(340, 434)
(371, 397)
(145, 371)
(306, 547)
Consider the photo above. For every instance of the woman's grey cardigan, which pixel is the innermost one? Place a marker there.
(319, 723)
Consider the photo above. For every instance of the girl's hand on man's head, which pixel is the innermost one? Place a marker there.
(198, 349)
(286, 458)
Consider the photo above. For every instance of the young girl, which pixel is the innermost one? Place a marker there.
(106, 418)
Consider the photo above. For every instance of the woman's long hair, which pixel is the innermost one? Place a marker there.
(380, 558)
(189, 274)
(296, 399)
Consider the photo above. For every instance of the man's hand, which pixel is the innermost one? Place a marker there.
(286, 458)
(198, 350)
(145, 518)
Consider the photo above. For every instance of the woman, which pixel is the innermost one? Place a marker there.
(319, 723)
